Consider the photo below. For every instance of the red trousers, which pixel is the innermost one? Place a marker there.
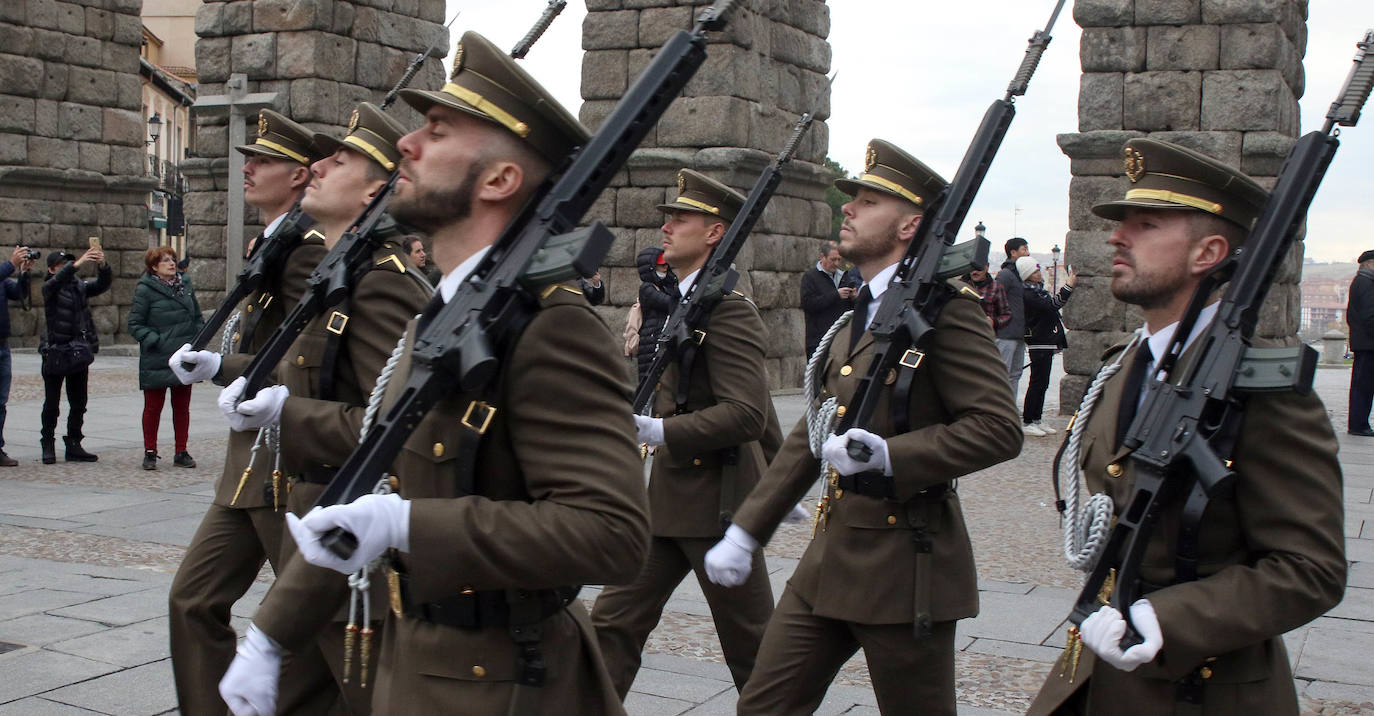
(152, 415)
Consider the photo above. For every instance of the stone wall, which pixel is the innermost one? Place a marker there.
(321, 58)
(1222, 77)
(765, 69)
(72, 145)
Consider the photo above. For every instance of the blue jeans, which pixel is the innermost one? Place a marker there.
(4, 389)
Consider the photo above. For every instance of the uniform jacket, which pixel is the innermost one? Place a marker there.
(821, 303)
(161, 322)
(1044, 329)
(262, 312)
(861, 566)
(1359, 312)
(728, 408)
(560, 501)
(1271, 558)
(66, 304)
(1015, 329)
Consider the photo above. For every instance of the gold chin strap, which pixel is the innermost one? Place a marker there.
(1210, 207)
(893, 186)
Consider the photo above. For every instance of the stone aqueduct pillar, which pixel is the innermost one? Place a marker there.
(1222, 77)
(766, 68)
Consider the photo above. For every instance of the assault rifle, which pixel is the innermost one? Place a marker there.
(717, 277)
(454, 351)
(1184, 431)
(414, 66)
(268, 253)
(911, 304)
(331, 281)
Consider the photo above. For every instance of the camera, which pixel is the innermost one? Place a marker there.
(32, 254)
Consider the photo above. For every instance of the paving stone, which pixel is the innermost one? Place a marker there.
(1330, 691)
(682, 687)
(177, 531)
(36, 671)
(120, 610)
(43, 629)
(37, 600)
(1361, 575)
(637, 704)
(131, 645)
(1026, 619)
(141, 690)
(723, 704)
(143, 513)
(1330, 655)
(39, 706)
(691, 667)
(1030, 652)
(55, 502)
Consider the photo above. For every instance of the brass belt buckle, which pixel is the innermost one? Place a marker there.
(912, 358)
(336, 323)
(489, 411)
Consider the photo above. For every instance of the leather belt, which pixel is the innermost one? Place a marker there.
(319, 475)
(478, 609)
(871, 484)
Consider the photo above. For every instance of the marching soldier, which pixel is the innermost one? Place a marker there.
(326, 379)
(890, 569)
(1270, 556)
(508, 498)
(243, 525)
(715, 407)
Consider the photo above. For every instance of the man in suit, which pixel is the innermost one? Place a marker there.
(890, 569)
(824, 295)
(243, 525)
(327, 377)
(508, 497)
(714, 408)
(1359, 315)
(1269, 556)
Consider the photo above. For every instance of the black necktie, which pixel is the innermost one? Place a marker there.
(858, 324)
(1130, 392)
(431, 310)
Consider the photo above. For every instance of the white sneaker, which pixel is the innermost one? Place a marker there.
(1031, 429)
(1044, 428)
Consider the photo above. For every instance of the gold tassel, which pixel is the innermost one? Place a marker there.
(366, 653)
(247, 471)
(276, 490)
(349, 634)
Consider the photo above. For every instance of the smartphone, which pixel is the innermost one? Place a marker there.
(95, 243)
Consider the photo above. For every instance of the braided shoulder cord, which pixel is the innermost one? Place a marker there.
(226, 339)
(1086, 528)
(820, 415)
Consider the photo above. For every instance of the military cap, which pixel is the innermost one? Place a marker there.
(1167, 176)
(892, 171)
(371, 133)
(701, 194)
(488, 84)
(282, 138)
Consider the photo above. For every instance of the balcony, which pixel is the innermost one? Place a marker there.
(169, 178)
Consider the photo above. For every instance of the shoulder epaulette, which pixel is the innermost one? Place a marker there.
(561, 293)
(963, 290)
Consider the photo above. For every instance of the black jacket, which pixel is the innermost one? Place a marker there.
(1011, 281)
(1043, 327)
(66, 305)
(657, 297)
(821, 302)
(1359, 312)
(11, 289)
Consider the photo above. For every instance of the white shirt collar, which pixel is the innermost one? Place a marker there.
(272, 227)
(685, 285)
(1159, 340)
(448, 285)
(834, 275)
(876, 287)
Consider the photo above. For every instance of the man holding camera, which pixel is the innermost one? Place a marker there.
(13, 289)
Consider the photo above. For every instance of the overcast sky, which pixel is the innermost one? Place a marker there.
(921, 74)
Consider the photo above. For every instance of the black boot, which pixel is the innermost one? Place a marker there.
(75, 453)
(183, 459)
(49, 450)
(149, 459)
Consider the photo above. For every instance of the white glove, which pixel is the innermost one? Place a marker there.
(835, 450)
(380, 522)
(262, 410)
(650, 430)
(798, 514)
(730, 561)
(250, 684)
(204, 364)
(1103, 629)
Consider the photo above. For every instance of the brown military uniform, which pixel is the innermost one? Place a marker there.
(243, 525)
(692, 484)
(858, 584)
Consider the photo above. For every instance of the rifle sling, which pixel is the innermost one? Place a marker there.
(906, 372)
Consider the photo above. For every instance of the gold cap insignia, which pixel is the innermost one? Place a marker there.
(457, 60)
(353, 120)
(870, 159)
(681, 182)
(262, 125)
(1135, 164)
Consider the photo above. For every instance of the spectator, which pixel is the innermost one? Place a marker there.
(1044, 337)
(414, 247)
(825, 295)
(69, 346)
(1359, 314)
(164, 316)
(11, 289)
(592, 288)
(1011, 338)
(657, 297)
(994, 300)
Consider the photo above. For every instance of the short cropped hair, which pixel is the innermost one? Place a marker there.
(1013, 245)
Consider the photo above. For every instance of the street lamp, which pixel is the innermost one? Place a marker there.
(1054, 269)
(154, 128)
(980, 231)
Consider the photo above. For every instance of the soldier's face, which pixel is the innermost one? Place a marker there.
(441, 162)
(1153, 251)
(688, 237)
(341, 188)
(268, 181)
(873, 224)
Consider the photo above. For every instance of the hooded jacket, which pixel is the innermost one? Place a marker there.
(66, 305)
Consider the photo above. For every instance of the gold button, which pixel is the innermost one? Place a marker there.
(840, 411)
(839, 493)
(1114, 469)
(892, 519)
(478, 671)
(1205, 672)
(438, 449)
(696, 461)
(847, 370)
(300, 360)
(249, 309)
(394, 482)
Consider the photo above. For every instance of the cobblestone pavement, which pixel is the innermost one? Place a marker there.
(87, 552)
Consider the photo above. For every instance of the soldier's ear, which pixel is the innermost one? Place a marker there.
(715, 233)
(906, 226)
(1207, 252)
(500, 181)
(300, 177)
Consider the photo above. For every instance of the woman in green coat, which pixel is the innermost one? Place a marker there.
(165, 315)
